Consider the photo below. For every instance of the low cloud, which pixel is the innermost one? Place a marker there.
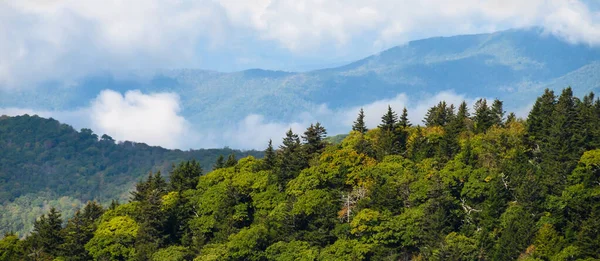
(152, 118)
(155, 119)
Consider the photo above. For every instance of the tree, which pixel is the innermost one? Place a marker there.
(483, 118)
(291, 158)
(231, 161)
(270, 159)
(80, 230)
(359, 124)
(185, 176)
(404, 122)
(539, 120)
(47, 233)
(439, 115)
(220, 163)
(389, 120)
(313, 139)
(497, 113)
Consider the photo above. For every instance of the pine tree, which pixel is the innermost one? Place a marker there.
(511, 118)
(498, 113)
(79, 230)
(185, 176)
(150, 215)
(483, 118)
(291, 158)
(404, 122)
(539, 120)
(231, 161)
(388, 120)
(359, 124)
(47, 233)
(565, 139)
(313, 139)
(220, 163)
(439, 115)
(269, 160)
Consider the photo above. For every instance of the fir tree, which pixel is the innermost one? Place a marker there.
(291, 158)
(231, 161)
(79, 230)
(483, 118)
(313, 138)
(511, 118)
(270, 159)
(220, 163)
(185, 176)
(388, 120)
(539, 120)
(47, 233)
(404, 122)
(498, 113)
(359, 124)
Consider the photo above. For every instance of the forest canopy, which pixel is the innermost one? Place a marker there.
(466, 184)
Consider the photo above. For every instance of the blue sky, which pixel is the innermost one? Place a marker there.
(64, 40)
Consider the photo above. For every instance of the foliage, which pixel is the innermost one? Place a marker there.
(465, 188)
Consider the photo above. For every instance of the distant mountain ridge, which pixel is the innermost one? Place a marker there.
(512, 65)
(45, 163)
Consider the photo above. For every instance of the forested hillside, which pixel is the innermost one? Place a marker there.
(467, 184)
(45, 163)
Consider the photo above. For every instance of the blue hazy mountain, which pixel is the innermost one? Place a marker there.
(513, 65)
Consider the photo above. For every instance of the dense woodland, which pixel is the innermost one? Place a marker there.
(44, 164)
(466, 184)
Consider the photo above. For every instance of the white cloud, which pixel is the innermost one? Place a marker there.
(151, 118)
(65, 40)
(135, 116)
(154, 119)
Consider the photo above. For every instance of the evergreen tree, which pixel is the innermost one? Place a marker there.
(47, 234)
(404, 122)
(185, 176)
(220, 163)
(149, 215)
(483, 118)
(511, 118)
(539, 120)
(231, 161)
(291, 158)
(80, 230)
(313, 139)
(270, 159)
(498, 113)
(439, 115)
(359, 125)
(565, 140)
(389, 120)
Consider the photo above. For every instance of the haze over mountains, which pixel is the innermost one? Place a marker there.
(244, 109)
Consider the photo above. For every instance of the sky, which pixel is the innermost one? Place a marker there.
(54, 40)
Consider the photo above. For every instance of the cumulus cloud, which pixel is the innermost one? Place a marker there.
(151, 118)
(65, 40)
(135, 116)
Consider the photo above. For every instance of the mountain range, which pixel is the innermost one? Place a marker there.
(511, 65)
